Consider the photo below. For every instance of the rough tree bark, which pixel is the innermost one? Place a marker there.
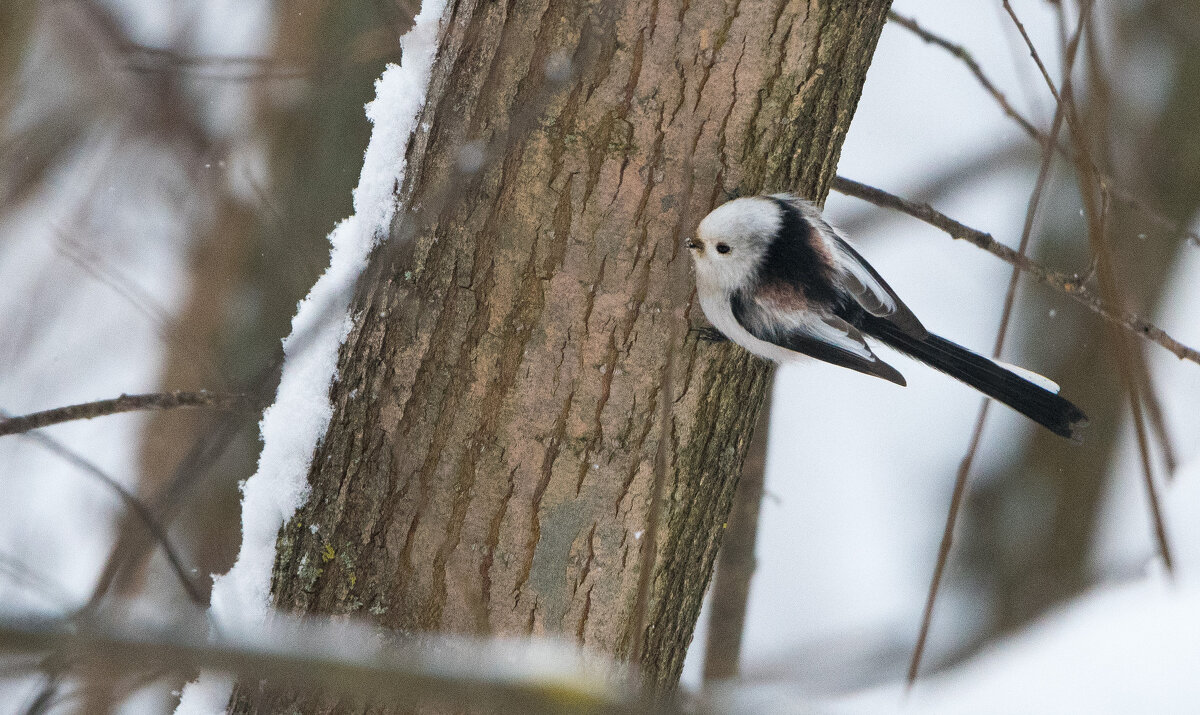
(489, 465)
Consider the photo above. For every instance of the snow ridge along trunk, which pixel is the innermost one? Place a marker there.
(489, 463)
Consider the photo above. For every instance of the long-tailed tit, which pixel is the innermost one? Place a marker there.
(775, 278)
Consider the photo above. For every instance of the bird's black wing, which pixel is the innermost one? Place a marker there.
(851, 273)
(860, 281)
(778, 313)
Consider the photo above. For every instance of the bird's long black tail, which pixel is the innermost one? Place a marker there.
(1034, 401)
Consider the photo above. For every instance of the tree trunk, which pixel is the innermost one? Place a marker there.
(489, 466)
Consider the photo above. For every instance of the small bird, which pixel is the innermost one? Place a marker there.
(774, 277)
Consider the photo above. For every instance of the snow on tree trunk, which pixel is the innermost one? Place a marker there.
(489, 463)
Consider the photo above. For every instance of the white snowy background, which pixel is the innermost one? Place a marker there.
(859, 472)
(857, 496)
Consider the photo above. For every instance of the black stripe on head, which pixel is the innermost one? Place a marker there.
(792, 258)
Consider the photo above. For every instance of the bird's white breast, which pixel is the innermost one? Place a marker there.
(719, 312)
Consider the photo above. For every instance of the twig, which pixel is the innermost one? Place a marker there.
(1037, 58)
(1066, 283)
(134, 505)
(939, 182)
(1157, 520)
(1091, 187)
(1151, 405)
(130, 544)
(943, 558)
(141, 58)
(108, 275)
(1154, 411)
(962, 54)
(124, 403)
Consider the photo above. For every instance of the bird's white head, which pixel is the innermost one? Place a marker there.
(732, 241)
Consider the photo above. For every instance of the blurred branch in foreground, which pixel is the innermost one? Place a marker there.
(516, 675)
(1068, 283)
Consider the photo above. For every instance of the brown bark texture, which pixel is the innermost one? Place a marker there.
(489, 465)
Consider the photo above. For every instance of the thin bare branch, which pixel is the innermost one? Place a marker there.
(1069, 284)
(957, 497)
(1157, 520)
(134, 505)
(141, 58)
(959, 493)
(124, 403)
(1037, 58)
(1094, 194)
(965, 56)
(1154, 216)
(1099, 97)
(1154, 412)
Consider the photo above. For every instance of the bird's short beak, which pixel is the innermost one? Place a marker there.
(691, 244)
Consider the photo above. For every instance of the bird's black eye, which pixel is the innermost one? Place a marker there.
(723, 248)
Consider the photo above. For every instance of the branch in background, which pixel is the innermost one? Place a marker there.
(1037, 58)
(962, 54)
(938, 183)
(1094, 192)
(136, 507)
(1095, 201)
(736, 564)
(141, 58)
(140, 527)
(127, 288)
(524, 676)
(124, 403)
(1154, 412)
(959, 492)
(1100, 101)
(1069, 284)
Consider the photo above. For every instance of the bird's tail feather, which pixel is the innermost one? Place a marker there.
(1034, 401)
